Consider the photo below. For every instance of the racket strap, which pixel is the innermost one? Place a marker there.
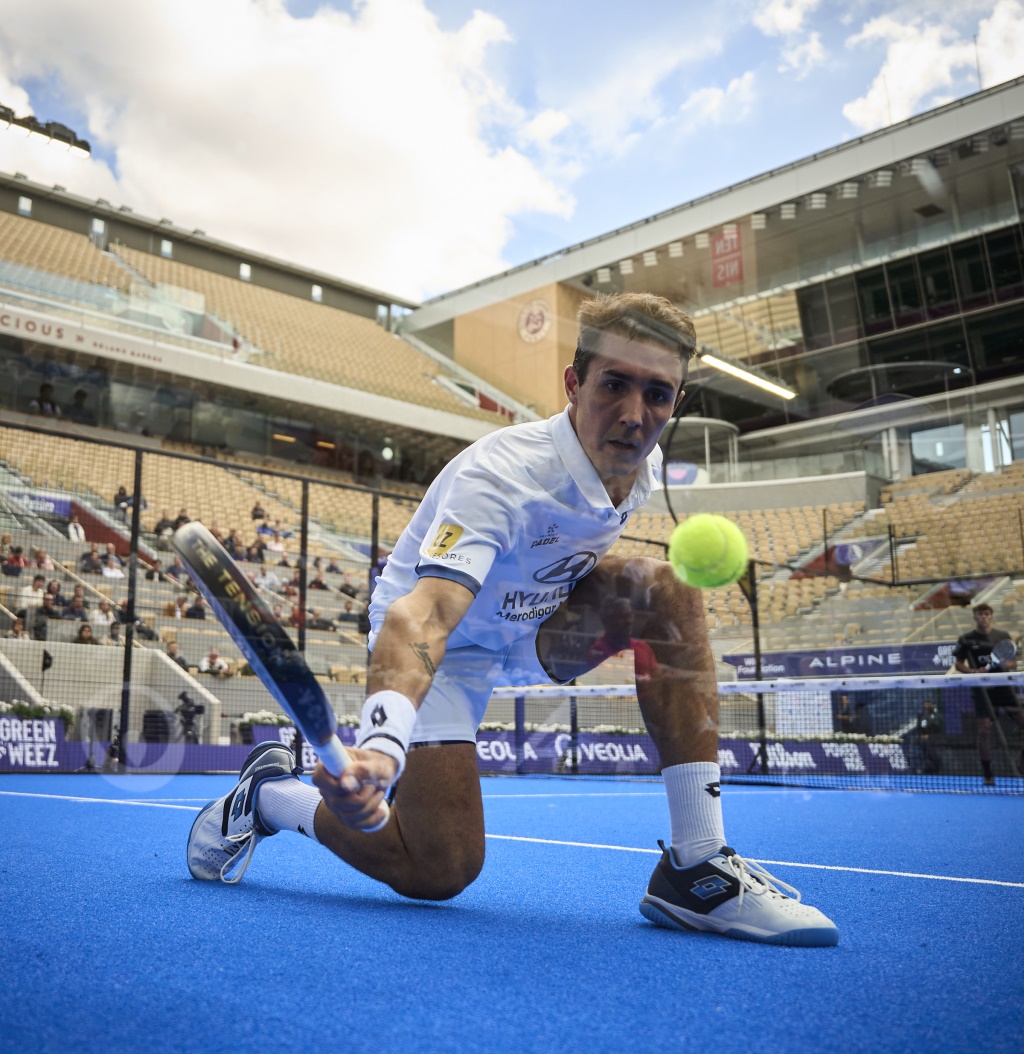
(386, 725)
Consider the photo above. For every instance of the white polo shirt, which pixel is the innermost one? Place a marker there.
(517, 518)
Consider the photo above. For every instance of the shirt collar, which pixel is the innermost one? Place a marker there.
(585, 476)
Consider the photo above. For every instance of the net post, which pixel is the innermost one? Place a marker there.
(574, 734)
(520, 733)
(303, 576)
(892, 554)
(748, 584)
(129, 630)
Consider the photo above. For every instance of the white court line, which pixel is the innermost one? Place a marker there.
(583, 794)
(554, 841)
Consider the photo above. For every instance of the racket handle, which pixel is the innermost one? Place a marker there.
(336, 760)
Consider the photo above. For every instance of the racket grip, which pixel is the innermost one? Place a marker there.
(336, 760)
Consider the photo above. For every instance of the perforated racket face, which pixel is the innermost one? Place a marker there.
(1004, 651)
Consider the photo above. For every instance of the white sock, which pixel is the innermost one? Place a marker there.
(288, 805)
(695, 810)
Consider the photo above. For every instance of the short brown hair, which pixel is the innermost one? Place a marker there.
(635, 316)
(981, 607)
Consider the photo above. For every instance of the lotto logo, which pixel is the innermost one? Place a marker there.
(709, 887)
(239, 803)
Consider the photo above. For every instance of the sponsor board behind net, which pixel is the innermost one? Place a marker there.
(895, 659)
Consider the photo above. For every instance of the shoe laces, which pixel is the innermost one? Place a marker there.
(247, 839)
(754, 879)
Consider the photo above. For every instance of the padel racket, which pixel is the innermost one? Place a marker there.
(1005, 651)
(265, 644)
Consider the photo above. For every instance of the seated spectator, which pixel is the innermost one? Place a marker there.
(91, 563)
(254, 554)
(177, 571)
(266, 579)
(121, 498)
(49, 607)
(15, 563)
(348, 613)
(348, 587)
(281, 531)
(111, 568)
(175, 655)
(214, 664)
(78, 412)
(6, 544)
(318, 564)
(333, 568)
(297, 617)
(17, 630)
(274, 544)
(181, 519)
(290, 588)
(278, 613)
(163, 530)
(79, 592)
(177, 607)
(76, 611)
(112, 638)
(317, 621)
(197, 610)
(44, 404)
(155, 573)
(32, 594)
(76, 532)
(53, 588)
(216, 532)
(122, 612)
(111, 550)
(258, 512)
(103, 615)
(318, 582)
(233, 543)
(85, 635)
(42, 561)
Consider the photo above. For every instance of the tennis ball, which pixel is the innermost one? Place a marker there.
(707, 551)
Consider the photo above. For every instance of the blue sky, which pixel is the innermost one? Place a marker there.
(418, 145)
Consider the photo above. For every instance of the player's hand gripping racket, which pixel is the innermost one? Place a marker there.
(265, 644)
(1005, 651)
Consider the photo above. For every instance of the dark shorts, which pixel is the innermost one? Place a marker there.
(1002, 697)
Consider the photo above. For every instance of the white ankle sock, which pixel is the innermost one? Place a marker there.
(288, 805)
(695, 810)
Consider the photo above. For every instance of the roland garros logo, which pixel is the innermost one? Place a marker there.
(534, 321)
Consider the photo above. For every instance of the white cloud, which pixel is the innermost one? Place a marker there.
(776, 18)
(371, 145)
(715, 106)
(802, 58)
(923, 62)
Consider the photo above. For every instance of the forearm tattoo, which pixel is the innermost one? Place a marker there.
(424, 656)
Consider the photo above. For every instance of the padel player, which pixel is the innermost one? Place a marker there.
(500, 578)
(973, 653)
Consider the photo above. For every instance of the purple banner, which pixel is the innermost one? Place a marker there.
(44, 504)
(875, 661)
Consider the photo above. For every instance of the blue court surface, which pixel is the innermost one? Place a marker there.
(109, 945)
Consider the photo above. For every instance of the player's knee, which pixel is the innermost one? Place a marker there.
(441, 881)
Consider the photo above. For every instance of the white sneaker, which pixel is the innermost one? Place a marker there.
(230, 824)
(733, 897)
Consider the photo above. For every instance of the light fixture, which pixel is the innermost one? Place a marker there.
(675, 250)
(882, 178)
(758, 221)
(817, 200)
(1017, 129)
(787, 211)
(745, 375)
(280, 437)
(847, 191)
(703, 240)
(604, 275)
(650, 258)
(387, 452)
(324, 445)
(625, 266)
(729, 230)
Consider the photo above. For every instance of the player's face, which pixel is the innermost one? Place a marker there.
(983, 620)
(620, 409)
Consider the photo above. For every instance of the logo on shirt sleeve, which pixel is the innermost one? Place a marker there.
(447, 535)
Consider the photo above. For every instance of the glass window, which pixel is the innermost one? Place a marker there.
(948, 343)
(166, 248)
(245, 272)
(973, 281)
(937, 449)
(24, 206)
(875, 308)
(318, 294)
(98, 226)
(996, 341)
(1005, 256)
(905, 287)
(937, 282)
(843, 310)
(1017, 434)
(814, 317)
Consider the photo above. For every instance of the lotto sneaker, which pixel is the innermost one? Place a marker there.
(733, 897)
(230, 824)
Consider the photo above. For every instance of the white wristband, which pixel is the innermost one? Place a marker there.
(386, 725)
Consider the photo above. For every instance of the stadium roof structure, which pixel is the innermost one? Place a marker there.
(829, 171)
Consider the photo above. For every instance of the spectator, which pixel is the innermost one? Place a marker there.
(85, 635)
(178, 571)
(112, 638)
(110, 568)
(37, 621)
(163, 530)
(6, 544)
(76, 532)
(258, 512)
(924, 752)
(213, 663)
(347, 587)
(233, 543)
(333, 568)
(33, 594)
(49, 608)
(175, 656)
(122, 612)
(78, 411)
(104, 614)
(281, 532)
(318, 582)
(121, 498)
(348, 613)
(297, 617)
(155, 572)
(17, 630)
(274, 544)
(43, 404)
(42, 561)
(317, 621)
(75, 611)
(15, 563)
(217, 532)
(111, 550)
(278, 613)
(862, 723)
(266, 579)
(181, 519)
(318, 564)
(79, 592)
(90, 563)
(197, 610)
(177, 608)
(53, 588)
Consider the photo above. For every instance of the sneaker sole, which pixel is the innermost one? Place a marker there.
(201, 878)
(678, 919)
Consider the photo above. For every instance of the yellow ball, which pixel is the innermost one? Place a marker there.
(707, 551)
